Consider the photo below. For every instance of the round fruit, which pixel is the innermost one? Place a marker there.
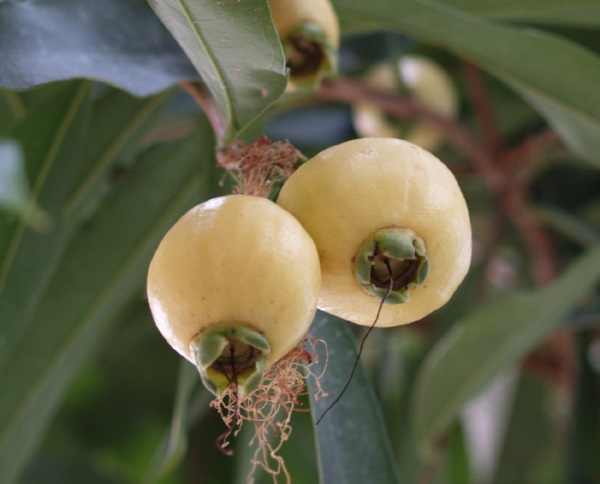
(310, 35)
(418, 77)
(389, 222)
(233, 287)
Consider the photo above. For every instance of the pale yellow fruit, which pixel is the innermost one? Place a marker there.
(350, 191)
(238, 261)
(420, 78)
(310, 34)
(289, 14)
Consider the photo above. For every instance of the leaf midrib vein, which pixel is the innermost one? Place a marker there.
(104, 298)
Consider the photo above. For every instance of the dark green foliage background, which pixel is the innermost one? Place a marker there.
(113, 152)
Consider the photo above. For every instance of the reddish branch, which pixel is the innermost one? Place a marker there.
(481, 106)
(528, 150)
(535, 237)
(208, 105)
(405, 108)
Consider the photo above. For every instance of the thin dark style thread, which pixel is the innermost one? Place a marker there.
(362, 343)
(236, 409)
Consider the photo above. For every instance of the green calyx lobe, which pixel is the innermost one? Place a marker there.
(391, 256)
(231, 355)
(309, 53)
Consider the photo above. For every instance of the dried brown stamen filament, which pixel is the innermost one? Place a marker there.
(362, 343)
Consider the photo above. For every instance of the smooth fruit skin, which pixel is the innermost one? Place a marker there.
(349, 191)
(315, 20)
(288, 15)
(420, 78)
(236, 259)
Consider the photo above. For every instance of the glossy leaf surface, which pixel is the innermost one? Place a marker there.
(118, 41)
(560, 86)
(72, 310)
(490, 340)
(352, 442)
(236, 50)
(555, 12)
(14, 188)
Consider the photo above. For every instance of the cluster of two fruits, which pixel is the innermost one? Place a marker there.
(235, 283)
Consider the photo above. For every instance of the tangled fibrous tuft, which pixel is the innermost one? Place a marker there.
(260, 164)
(269, 408)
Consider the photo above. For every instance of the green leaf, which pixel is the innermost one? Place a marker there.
(567, 225)
(235, 48)
(102, 270)
(14, 188)
(47, 468)
(583, 463)
(68, 169)
(557, 76)
(51, 136)
(119, 124)
(12, 109)
(490, 340)
(581, 13)
(579, 129)
(117, 41)
(457, 469)
(527, 435)
(174, 445)
(398, 353)
(352, 441)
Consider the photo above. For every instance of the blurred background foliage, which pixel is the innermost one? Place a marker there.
(101, 151)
